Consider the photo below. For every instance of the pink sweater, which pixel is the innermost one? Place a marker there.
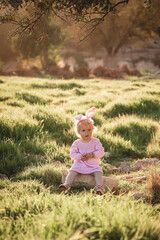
(91, 165)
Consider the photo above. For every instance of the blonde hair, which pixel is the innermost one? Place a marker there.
(88, 122)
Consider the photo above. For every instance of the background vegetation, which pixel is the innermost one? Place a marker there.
(133, 25)
(36, 132)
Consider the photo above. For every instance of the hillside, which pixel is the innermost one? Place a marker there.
(36, 132)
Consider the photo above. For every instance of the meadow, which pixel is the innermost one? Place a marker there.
(36, 132)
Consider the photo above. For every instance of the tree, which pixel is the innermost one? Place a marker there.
(47, 34)
(6, 52)
(135, 22)
(26, 13)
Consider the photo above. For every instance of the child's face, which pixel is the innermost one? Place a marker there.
(85, 132)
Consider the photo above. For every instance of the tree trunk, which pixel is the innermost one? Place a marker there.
(45, 55)
(111, 61)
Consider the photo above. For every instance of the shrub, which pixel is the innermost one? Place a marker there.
(119, 72)
(60, 72)
(81, 72)
(154, 186)
(100, 71)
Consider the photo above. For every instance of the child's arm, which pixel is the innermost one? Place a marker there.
(99, 152)
(74, 152)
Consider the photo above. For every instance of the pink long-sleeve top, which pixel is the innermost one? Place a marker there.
(91, 165)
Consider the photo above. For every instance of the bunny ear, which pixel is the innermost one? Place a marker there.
(78, 117)
(90, 112)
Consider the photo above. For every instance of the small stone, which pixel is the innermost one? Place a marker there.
(140, 196)
(137, 179)
(106, 154)
(125, 167)
(135, 168)
(114, 169)
(3, 175)
(126, 177)
(145, 163)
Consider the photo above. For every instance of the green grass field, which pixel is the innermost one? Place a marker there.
(36, 132)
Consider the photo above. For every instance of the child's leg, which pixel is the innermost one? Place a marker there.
(98, 178)
(69, 179)
(99, 182)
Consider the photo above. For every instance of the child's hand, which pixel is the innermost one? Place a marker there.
(89, 155)
(83, 157)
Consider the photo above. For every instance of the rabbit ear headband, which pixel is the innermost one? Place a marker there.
(88, 116)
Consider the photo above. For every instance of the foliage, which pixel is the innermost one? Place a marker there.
(18, 12)
(46, 37)
(5, 43)
(133, 23)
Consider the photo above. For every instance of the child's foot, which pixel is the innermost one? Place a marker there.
(64, 187)
(99, 190)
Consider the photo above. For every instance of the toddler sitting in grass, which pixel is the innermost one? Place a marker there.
(86, 153)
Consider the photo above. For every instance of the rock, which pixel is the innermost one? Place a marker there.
(125, 167)
(137, 179)
(114, 169)
(94, 62)
(146, 66)
(135, 168)
(88, 180)
(145, 163)
(3, 175)
(106, 155)
(134, 179)
(140, 196)
(126, 177)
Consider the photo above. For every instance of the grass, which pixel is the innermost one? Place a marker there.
(36, 132)
(42, 215)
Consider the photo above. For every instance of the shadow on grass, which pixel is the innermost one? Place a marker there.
(48, 174)
(2, 99)
(13, 159)
(128, 137)
(79, 92)
(145, 107)
(18, 131)
(139, 135)
(57, 126)
(119, 148)
(15, 104)
(16, 140)
(66, 86)
(154, 93)
(21, 143)
(32, 99)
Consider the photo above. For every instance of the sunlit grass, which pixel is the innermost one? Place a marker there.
(42, 215)
(36, 132)
(37, 112)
